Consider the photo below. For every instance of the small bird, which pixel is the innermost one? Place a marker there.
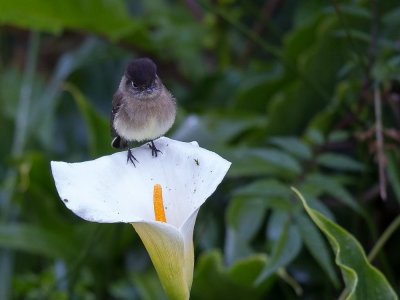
(143, 109)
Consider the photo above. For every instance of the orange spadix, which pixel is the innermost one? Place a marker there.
(158, 204)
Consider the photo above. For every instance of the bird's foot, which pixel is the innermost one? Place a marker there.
(153, 148)
(131, 158)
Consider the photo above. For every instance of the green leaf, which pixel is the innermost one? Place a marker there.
(363, 281)
(213, 281)
(235, 247)
(317, 246)
(293, 145)
(391, 18)
(338, 135)
(318, 205)
(353, 10)
(10, 85)
(148, 285)
(339, 162)
(108, 18)
(393, 172)
(357, 35)
(246, 215)
(256, 89)
(316, 55)
(268, 188)
(32, 239)
(98, 127)
(284, 250)
(273, 193)
(216, 128)
(276, 225)
(91, 51)
(259, 161)
(324, 184)
(166, 19)
(315, 136)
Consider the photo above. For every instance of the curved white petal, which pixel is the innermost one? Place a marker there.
(109, 189)
(187, 233)
(171, 251)
(165, 245)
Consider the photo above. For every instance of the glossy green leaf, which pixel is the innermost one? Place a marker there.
(36, 240)
(284, 250)
(43, 112)
(316, 55)
(320, 206)
(316, 245)
(339, 162)
(293, 145)
(325, 184)
(315, 136)
(216, 128)
(258, 161)
(276, 225)
(357, 35)
(109, 18)
(235, 247)
(393, 172)
(98, 126)
(246, 215)
(390, 16)
(339, 135)
(257, 89)
(148, 285)
(264, 188)
(213, 281)
(363, 281)
(352, 10)
(272, 192)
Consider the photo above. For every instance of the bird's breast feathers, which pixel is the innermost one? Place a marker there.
(145, 120)
(150, 131)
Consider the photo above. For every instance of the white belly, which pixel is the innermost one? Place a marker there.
(150, 131)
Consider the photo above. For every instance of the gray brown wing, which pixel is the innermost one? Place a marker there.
(117, 142)
(116, 103)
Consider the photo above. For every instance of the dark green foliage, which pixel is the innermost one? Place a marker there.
(363, 281)
(286, 90)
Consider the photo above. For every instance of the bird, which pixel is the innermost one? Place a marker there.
(142, 108)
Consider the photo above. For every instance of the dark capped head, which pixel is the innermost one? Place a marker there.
(141, 73)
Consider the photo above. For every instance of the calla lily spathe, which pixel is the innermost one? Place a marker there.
(108, 190)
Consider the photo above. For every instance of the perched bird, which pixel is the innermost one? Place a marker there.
(143, 109)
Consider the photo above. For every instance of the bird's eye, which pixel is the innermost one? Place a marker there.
(134, 85)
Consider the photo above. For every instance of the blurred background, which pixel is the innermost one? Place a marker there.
(294, 93)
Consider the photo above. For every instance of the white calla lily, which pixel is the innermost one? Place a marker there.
(109, 190)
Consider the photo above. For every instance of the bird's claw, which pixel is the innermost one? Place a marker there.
(153, 148)
(130, 158)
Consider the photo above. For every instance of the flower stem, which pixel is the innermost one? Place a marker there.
(383, 239)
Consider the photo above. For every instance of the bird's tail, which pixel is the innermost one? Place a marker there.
(119, 143)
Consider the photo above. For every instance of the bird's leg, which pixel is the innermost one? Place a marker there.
(130, 157)
(153, 148)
